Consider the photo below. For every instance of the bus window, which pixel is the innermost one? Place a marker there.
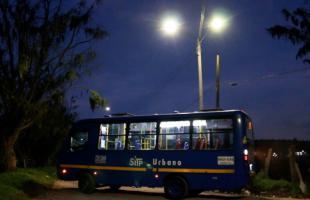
(201, 135)
(112, 136)
(212, 134)
(78, 141)
(174, 135)
(142, 136)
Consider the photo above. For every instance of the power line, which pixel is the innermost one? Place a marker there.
(249, 81)
(267, 76)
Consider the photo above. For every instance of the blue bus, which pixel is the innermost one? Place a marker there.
(186, 153)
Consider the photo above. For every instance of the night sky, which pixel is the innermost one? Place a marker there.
(141, 71)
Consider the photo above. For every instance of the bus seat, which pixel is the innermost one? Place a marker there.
(137, 145)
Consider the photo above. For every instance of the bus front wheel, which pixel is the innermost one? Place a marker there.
(175, 187)
(86, 183)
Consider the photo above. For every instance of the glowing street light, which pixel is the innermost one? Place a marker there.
(218, 23)
(107, 108)
(170, 26)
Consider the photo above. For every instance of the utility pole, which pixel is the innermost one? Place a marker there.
(217, 81)
(199, 41)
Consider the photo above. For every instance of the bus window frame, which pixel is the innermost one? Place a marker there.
(233, 132)
(109, 123)
(174, 120)
(159, 120)
(138, 122)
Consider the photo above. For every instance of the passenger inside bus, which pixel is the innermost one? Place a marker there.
(178, 144)
(201, 144)
(118, 144)
(137, 144)
(186, 145)
(217, 142)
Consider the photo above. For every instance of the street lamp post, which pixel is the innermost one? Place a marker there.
(216, 24)
(198, 48)
(217, 81)
(170, 26)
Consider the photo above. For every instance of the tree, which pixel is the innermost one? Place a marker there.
(297, 31)
(40, 143)
(44, 48)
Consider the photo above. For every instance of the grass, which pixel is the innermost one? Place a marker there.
(264, 184)
(25, 183)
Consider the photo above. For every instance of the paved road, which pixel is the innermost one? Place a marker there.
(68, 190)
(125, 194)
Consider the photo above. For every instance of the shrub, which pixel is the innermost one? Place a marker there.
(262, 183)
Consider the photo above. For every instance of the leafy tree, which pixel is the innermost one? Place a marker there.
(44, 48)
(39, 144)
(297, 31)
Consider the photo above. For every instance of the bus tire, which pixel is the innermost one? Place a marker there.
(86, 183)
(194, 193)
(114, 188)
(175, 187)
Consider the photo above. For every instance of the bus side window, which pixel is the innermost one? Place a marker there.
(212, 134)
(112, 136)
(78, 141)
(217, 141)
(174, 135)
(142, 136)
(223, 139)
(201, 135)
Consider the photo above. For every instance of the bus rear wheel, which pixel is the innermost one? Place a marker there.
(86, 183)
(175, 187)
(114, 188)
(195, 193)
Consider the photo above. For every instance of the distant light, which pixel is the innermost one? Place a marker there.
(156, 176)
(95, 173)
(245, 152)
(170, 26)
(107, 108)
(218, 23)
(274, 154)
(301, 153)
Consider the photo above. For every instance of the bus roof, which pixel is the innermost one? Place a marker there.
(177, 115)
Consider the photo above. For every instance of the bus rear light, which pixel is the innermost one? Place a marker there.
(245, 152)
(246, 158)
(64, 171)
